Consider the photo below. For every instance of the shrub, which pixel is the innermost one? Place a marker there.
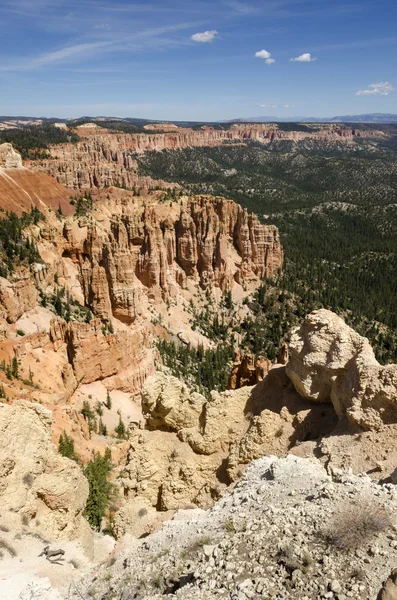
(20, 332)
(28, 479)
(353, 525)
(229, 526)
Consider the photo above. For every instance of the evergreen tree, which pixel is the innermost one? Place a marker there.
(15, 368)
(108, 402)
(101, 490)
(102, 429)
(87, 411)
(120, 430)
(66, 447)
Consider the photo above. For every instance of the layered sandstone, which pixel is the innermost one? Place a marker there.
(21, 189)
(331, 363)
(150, 252)
(38, 487)
(105, 159)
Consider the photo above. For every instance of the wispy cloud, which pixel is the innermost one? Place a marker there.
(205, 36)
(277, 105)
(306, 57)
(383, 88)
(146, 39)
(266, 56)
(242, 8)
(105, 26)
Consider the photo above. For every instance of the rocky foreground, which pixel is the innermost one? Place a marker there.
(287, 530)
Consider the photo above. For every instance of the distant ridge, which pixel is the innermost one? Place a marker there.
(365, 118)
(382, 118)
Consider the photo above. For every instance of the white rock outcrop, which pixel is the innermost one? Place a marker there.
(9, 158)
(330, 362)
(39, 488)
(269, 537)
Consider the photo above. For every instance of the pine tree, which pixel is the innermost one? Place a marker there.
(66, 447)
(120, 430)
(101, 490)
(87, 411)
(108, 402)
(15, 368)
(102, 429)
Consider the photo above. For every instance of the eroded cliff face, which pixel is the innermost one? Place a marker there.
(136, 253)
(38, 487)
(133, 261)
(104, 159)
(332, 400)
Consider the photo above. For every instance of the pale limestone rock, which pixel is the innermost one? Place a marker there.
(167, 402)
(138, 518)
(9, 158)
(330, 362)
(389, 588)
(199, 446)
(38, 487)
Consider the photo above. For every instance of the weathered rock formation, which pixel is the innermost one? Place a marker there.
(188, 448)
(9, 158)
(21, 188)
(247, 371)
(330, 362)
(105, 159)
(266, 538)
(151, 252)
(38, 487)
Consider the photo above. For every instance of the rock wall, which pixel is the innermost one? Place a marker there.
(150, 252)
(188, 449)
(104, 159)
(38, 487)
(21, 188)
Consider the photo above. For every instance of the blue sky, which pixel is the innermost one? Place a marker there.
(197, 60)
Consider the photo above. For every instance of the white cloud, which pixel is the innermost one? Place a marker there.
(205, 36)
(103, 26)
(263, 54)
(306, 57)
(268, 105)
(383, 88)
(266, 56)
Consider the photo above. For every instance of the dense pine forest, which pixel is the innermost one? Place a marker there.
(336, 208)
(32, 141)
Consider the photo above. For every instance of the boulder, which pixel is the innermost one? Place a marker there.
(39, 488)
(330, 363)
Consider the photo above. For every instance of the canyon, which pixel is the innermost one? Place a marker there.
(115, 271)
(102, 158)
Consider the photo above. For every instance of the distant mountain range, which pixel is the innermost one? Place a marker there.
(366, 118)
(381, 118)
